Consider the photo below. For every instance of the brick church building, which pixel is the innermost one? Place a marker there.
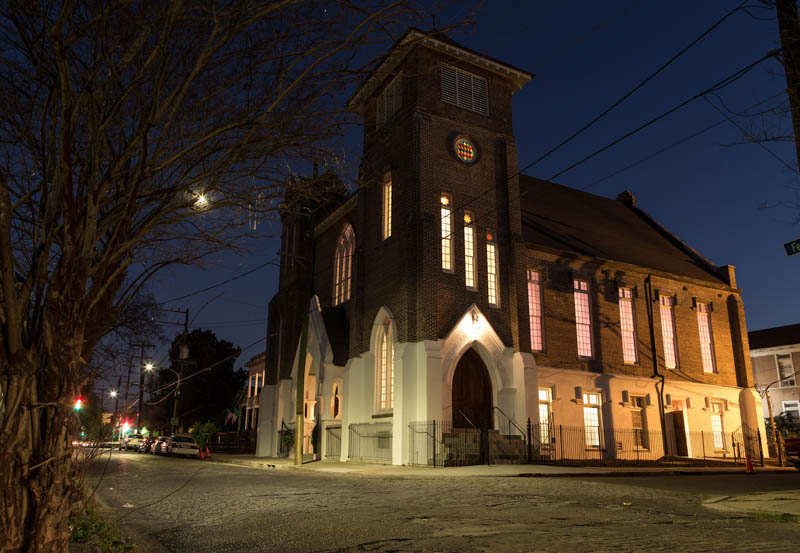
(451, 295)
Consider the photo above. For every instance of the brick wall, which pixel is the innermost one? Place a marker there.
(605, 279)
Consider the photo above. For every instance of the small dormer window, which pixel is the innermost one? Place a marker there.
(389, 101)
(465, 90)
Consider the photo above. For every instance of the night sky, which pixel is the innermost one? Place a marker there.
(692, 171)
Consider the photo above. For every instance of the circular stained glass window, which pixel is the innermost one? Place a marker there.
(465, 150)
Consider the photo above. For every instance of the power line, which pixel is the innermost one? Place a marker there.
(674, 144)
(223, 283)
(718, 86)
(634, 89)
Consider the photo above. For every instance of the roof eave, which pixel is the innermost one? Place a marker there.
(414, 37)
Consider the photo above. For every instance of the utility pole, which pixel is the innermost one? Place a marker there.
(141, 384)
(789, 29)
(182, 359)
(127, 386)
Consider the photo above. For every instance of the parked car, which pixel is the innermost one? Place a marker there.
(132, 441)
(181, 444)
(155, 448)
(144, 445)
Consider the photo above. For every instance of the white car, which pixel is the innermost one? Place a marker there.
(181, 444)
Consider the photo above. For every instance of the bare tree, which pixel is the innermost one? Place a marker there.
(133, 134)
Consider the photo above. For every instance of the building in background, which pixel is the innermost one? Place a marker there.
(775, 354)
(250, 399)
(451, 297)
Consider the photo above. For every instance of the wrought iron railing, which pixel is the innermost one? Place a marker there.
(333, 442)
(437, 443)
(371, 442)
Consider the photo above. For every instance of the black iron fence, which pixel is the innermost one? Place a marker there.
(371, 442)
(437, 443)
(571, 443)
(333, 442)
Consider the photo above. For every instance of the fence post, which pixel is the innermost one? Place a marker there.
(561, 440)
(530, 446)
(485, 447)
(703, 441)
(760, 447)
(433, 442)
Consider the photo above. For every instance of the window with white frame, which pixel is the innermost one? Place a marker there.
(706, 338)
(545, 417)
(627, 324)
(343, 265)
(785, 370)
(386, 215)
(465, 90)
(447, 233)
(639, 422)
(491, 269)
(716, 425)
(591, 419)
(384, 367)
(535, 309)
(668, 331)
(791, 410)
(469, 250)
(389, 101)
(583, 317)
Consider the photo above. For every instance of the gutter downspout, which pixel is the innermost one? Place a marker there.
(648, 284)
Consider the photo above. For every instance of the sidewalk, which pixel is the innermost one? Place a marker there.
(530, 471)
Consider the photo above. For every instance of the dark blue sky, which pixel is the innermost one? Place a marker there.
(707, 189)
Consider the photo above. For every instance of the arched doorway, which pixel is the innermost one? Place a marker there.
(472, 393)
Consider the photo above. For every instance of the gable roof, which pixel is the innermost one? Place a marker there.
(774, 337)
(562, 218)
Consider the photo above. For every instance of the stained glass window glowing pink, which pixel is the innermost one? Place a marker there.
(583, 319)
(668, 332)
(706, 337)
(535, 310)
(627, 326)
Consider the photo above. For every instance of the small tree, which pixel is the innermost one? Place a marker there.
(136, 134)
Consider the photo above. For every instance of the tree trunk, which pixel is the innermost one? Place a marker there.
(39, 482)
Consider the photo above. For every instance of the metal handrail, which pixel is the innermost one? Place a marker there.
(466, 417)
(510, 420)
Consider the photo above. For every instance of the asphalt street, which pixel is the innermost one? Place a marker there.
(186, 505)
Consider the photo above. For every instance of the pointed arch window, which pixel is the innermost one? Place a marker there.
(343, 265)
(384, 366)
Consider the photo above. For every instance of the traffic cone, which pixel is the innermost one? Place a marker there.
(201, 454)
(749, 466)
(208, 453)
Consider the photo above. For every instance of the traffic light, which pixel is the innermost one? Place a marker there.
(78, 404)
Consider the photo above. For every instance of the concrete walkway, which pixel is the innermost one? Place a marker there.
(482, 470)
(778, 504)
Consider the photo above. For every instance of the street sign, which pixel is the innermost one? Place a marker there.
(174, 421)
(792, 247)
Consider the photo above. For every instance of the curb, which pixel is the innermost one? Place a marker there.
(581, 474)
